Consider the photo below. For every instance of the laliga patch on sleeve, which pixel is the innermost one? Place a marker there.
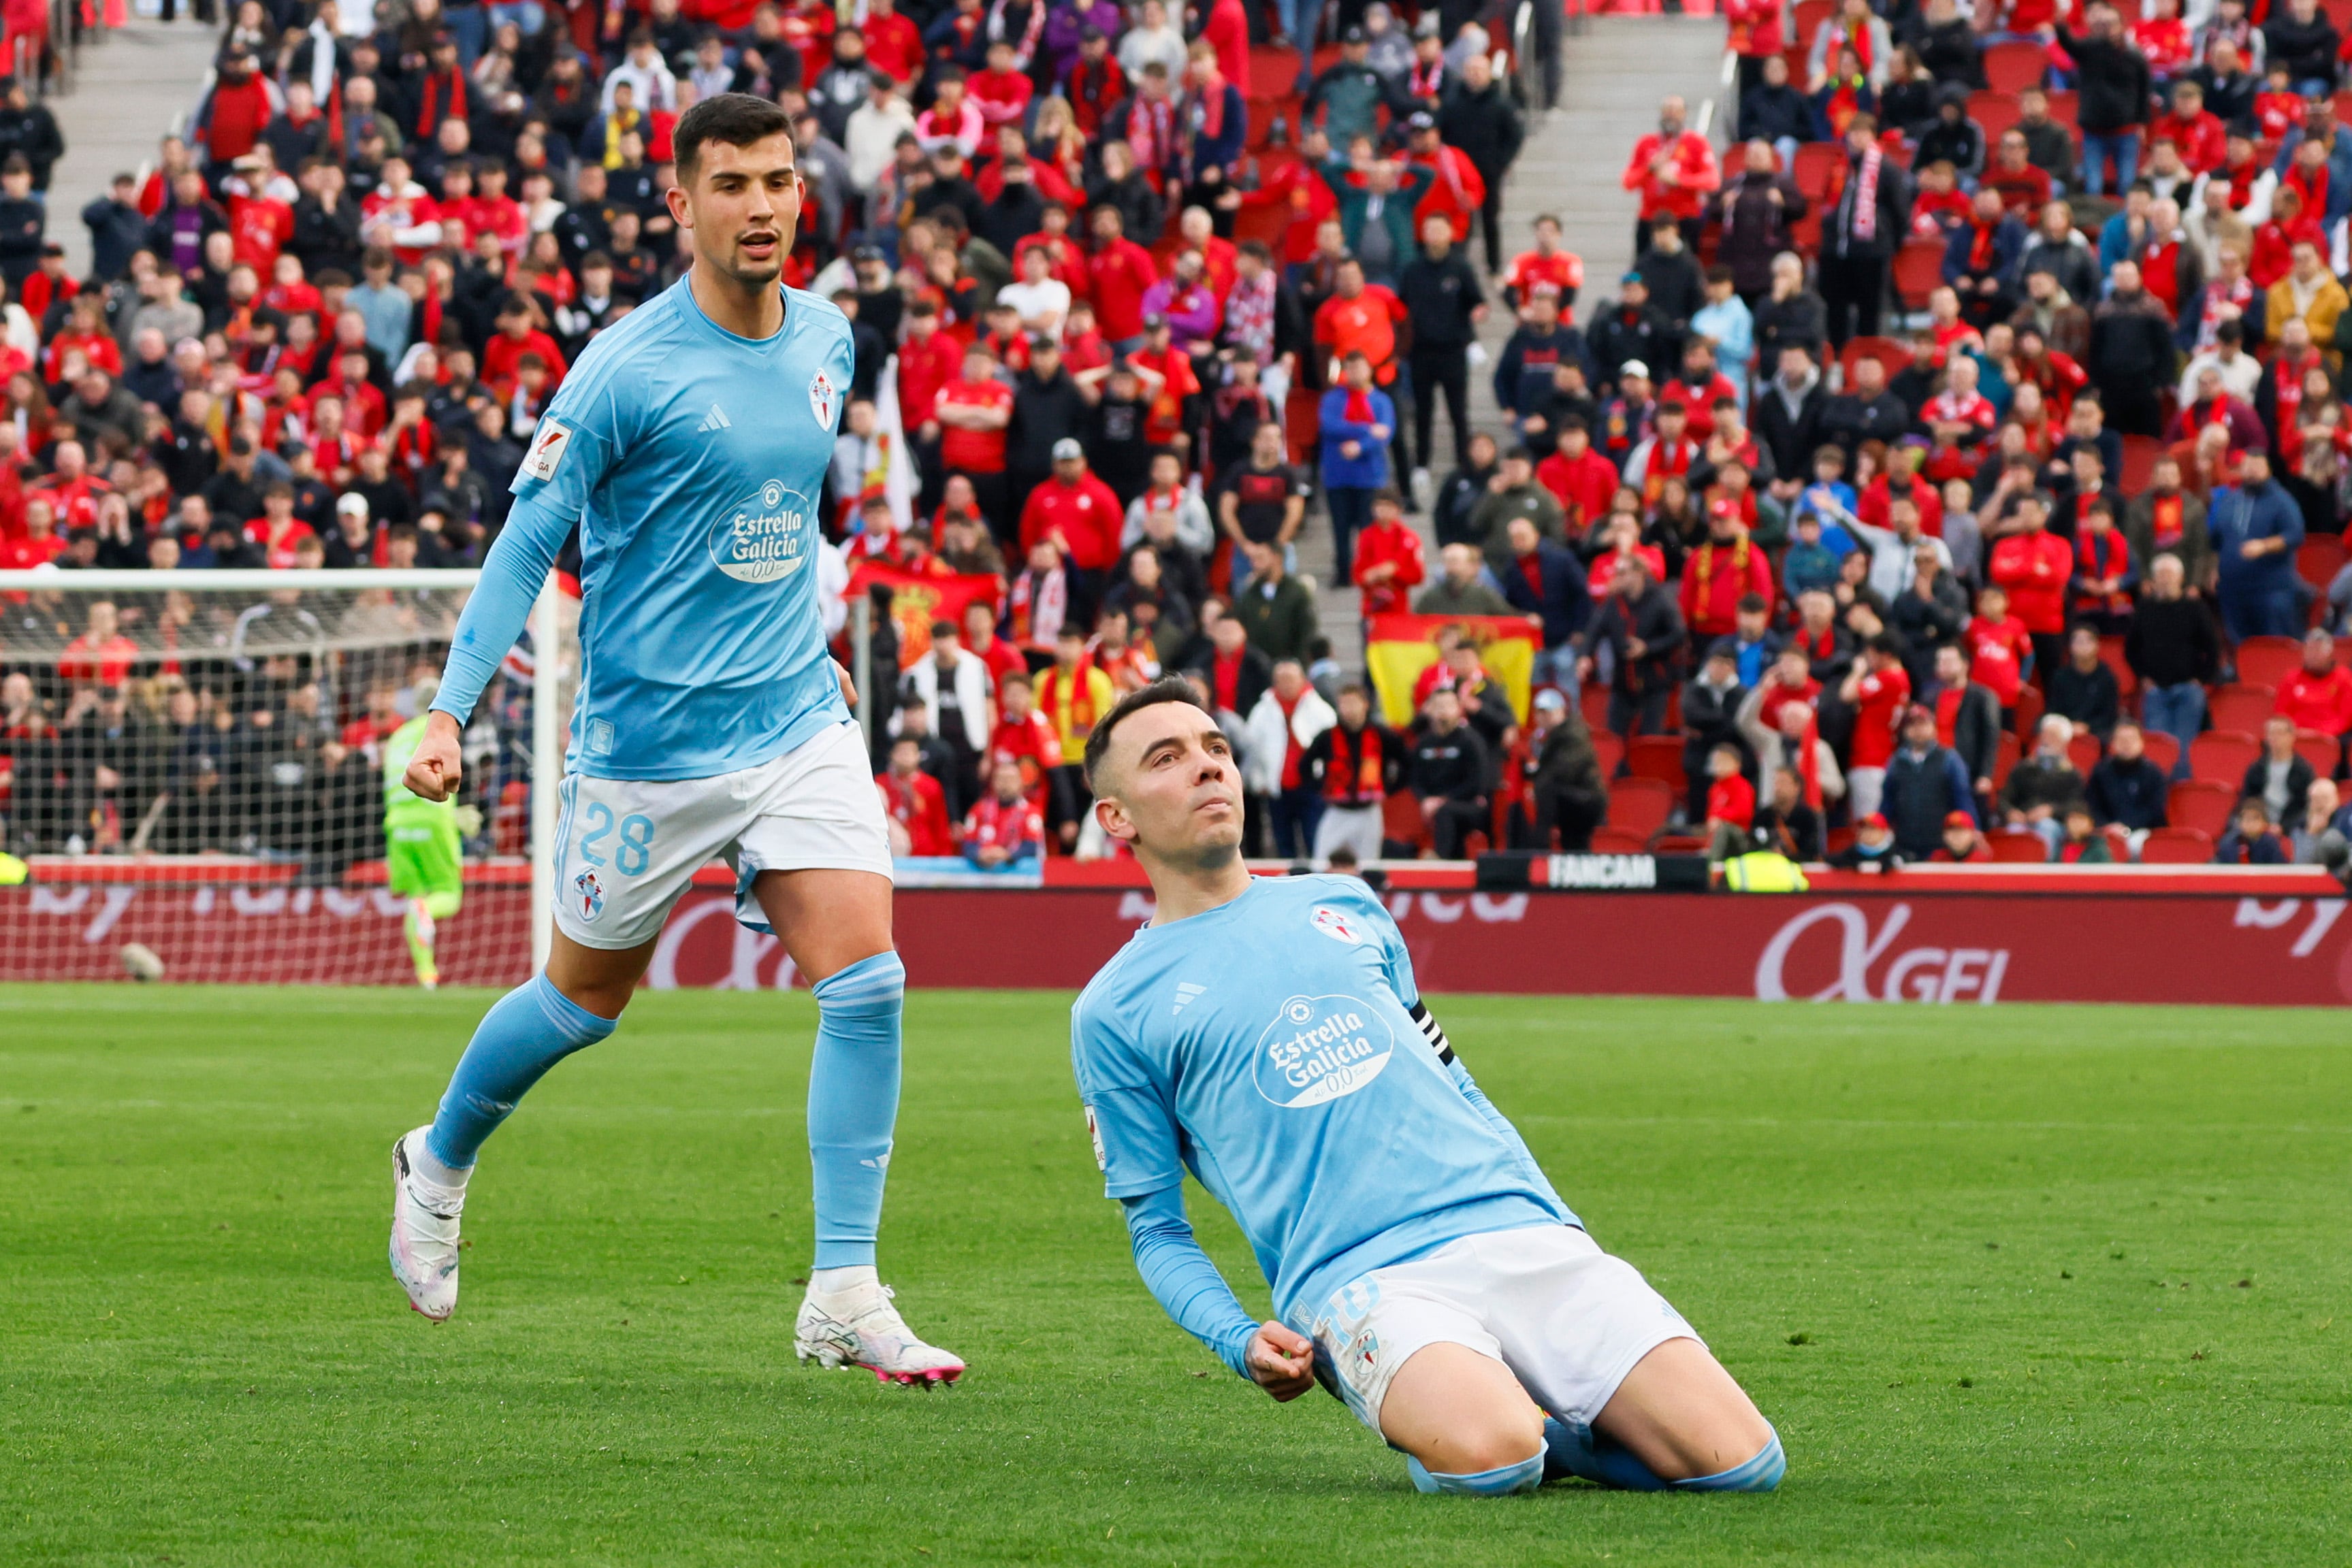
(1094, 1135)
(547, 450)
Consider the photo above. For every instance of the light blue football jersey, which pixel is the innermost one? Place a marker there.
(693, 461)
(1269, 1047)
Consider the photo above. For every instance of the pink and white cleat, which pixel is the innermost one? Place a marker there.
(859, 1327)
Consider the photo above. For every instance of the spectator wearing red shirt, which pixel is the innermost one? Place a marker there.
(1878, 691)
(1007, 827)
(1730, 803)
(71, 490)
(1296, 188)
(981, 641)
(400, 216)
(1002, 91)
(1579, 478)
(973, 412)
(1673, 169)
(1078, 513)
(2034, 565)
(1024, 736)
(1754, 34)
(916, 805)
(1360, 318)
(516, 336)
(2000, 649)
(1721, 572)
(1389, 559)
(2318, 696)
(278, 530)
(1456, 189)
(39, 544)
(102, 654)
(1119, 274)
(1545, 267)
(2196, 131)
(894, 45)
(259, 226)
(235, 113)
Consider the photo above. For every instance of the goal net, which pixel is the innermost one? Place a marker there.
(192, 773)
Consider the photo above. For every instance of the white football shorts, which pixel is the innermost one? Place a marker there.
(1568, 1319)
(626, 849)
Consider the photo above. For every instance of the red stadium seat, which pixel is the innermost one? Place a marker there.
(2162, 749)
(1680, 844)
(1892, 357)
(2005, 753)
(1918, 272)
(2029, 712)
(2223, 756)
(2140, 452)
(1807, 19)
(2175, 846)
(1641, 805)
(2013, 68)
(2111, 654)
(1838, 841)
(2335, 10)
(1817, 162)
(1402, 821)
(1594, 703)
(2066, 109)
(1609, 752)
(1658, 757)
(1995, 112)
(2318, 560)
(2203, 805)
(2242, 707)
(2322, 751)
(2265, 662)
(2019, 847)
(1619, 841)
(2084, 751)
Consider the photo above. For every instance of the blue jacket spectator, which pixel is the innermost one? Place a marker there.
(2256, 529)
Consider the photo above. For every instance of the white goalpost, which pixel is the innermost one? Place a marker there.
(191, 776)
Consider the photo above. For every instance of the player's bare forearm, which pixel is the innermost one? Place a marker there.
(435, 769)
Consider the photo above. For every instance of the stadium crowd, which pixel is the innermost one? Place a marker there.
(1134, 292)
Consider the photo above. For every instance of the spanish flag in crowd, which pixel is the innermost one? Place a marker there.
(1398, 648)
(918, 598)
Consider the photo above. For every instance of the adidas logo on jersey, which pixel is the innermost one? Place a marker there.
(1185, 991)
(715, 420)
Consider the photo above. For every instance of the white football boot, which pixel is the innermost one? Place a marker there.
(859, 1327)
(425, 1234)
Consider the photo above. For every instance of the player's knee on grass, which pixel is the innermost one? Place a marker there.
(1459, 1412)
(1685, 1418)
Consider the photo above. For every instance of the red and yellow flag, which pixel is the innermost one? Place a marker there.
(1398, 648)
(918, 598)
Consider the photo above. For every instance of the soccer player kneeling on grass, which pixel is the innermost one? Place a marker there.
(1267, 1036)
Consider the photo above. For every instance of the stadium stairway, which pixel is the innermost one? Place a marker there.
(1613, 74)
(130, 86)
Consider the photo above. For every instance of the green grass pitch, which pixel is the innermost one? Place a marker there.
(2018, 1285)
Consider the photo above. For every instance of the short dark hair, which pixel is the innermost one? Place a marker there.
(1166, 689)
(737, 119)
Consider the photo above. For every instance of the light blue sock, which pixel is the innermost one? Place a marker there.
(1525, 1476)
(1760, 1473)
(1572, 1451)
(531, 1028)
(1580, 1451)
(853, 1103)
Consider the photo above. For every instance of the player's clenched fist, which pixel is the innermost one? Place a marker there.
(1282, 1361)
(435, 771)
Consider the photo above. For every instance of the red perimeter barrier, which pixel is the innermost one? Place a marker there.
(1884, 942)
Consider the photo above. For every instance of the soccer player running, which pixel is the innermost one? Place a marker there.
(1267, 1036)
(423, 862)
(688, 446)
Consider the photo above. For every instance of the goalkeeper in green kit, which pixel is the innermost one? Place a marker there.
(423, 860)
